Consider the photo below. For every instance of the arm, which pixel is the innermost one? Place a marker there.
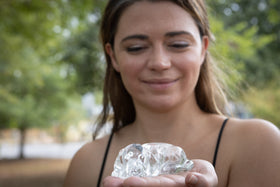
(85, 165)
(257, 155)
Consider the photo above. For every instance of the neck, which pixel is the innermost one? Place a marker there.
(154, 126)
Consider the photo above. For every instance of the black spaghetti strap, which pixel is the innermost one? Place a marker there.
(218, 142)
(104, 159)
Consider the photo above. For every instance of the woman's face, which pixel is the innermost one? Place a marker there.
(158, 52)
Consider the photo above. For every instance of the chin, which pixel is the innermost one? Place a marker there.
(161, 106)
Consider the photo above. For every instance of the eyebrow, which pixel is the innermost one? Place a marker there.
(136, 36)
(145, 37)
(176, 33)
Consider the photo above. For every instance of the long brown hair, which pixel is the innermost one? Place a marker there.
(209, 94)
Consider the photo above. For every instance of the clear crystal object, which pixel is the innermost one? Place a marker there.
(150, 159)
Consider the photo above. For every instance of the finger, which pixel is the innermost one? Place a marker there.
(200, 180)
(113, 182)
(203, 167)
(134, 181)
(177, 180)
(158, 181)
(191, 179)
(202, 175)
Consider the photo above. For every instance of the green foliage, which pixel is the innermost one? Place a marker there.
(84, 56)
(34, 90)
(254, 26)
(261, 19)
(231, 50)
(32, 93)
(264, 103)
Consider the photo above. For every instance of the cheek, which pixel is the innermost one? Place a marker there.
(130, 71)
(189, 68)
(130, 66)
(189, 63)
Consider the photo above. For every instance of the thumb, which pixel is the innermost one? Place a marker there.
(194, 179)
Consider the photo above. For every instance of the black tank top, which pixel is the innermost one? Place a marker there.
(111, 136)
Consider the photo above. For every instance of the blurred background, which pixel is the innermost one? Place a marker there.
(52, 69)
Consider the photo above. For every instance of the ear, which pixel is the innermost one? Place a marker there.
(204, 47)
(110, 52)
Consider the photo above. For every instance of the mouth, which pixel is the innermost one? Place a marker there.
(160, 84)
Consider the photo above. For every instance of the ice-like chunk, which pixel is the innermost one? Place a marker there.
(150, 159)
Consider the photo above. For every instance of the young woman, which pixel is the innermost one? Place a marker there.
(160, 84)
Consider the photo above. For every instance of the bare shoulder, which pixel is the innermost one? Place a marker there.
(255, 131)
(254, 135)
(256, 153)
(86, 164)
(251, 128)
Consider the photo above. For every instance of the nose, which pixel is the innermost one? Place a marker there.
(159, 59)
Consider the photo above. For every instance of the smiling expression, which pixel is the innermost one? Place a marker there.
(158, 52)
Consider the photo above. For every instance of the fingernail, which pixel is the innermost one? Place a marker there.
(193, 179)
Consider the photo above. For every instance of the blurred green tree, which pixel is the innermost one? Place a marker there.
(265, 102)
(263, 16)
(261, 19)
(34, 87)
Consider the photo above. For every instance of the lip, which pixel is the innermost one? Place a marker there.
(160, 84)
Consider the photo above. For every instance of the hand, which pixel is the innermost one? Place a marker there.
(202, 175)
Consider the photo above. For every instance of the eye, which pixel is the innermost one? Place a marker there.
(179, 45)
(135, 48)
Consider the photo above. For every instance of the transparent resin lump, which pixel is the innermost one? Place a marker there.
(151, 159)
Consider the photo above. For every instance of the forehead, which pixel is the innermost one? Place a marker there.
(149, 17)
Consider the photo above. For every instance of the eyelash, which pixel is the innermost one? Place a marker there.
(135, 48)
(178, 46)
